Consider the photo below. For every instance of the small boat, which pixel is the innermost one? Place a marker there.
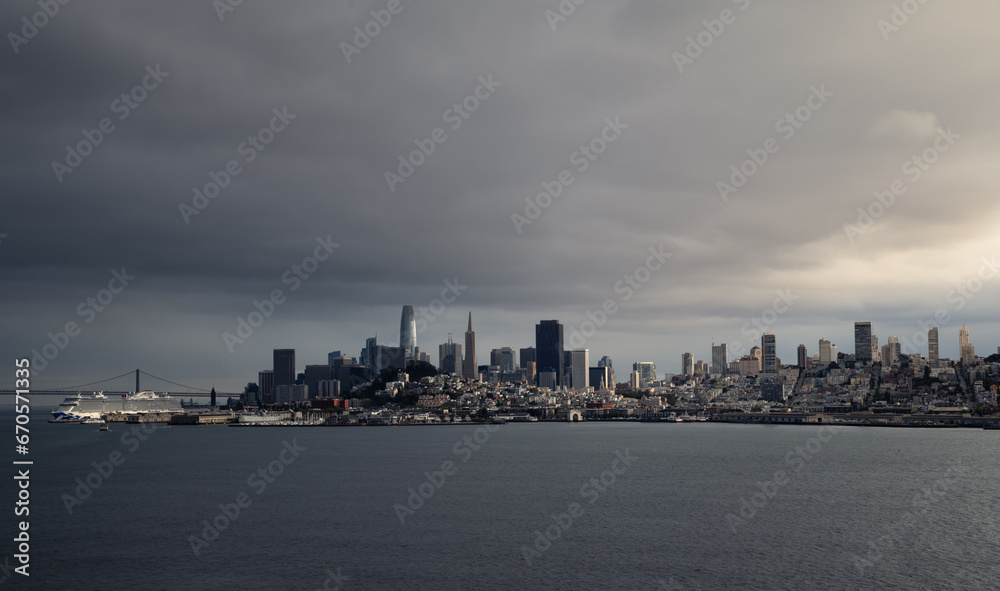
(105, 427)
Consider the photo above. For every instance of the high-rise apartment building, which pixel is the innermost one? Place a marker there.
(549, 349)
(966, 351)
(933, 352)
(687, 364)
(803, 355)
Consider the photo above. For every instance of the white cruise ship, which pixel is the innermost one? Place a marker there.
(79, 407)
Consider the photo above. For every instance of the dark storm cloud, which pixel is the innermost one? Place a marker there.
(324, 175)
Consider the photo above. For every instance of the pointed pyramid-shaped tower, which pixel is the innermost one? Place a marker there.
(469, 367)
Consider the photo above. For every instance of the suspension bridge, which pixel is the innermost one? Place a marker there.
(137, 381)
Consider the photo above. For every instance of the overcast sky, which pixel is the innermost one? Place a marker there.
(865, 98)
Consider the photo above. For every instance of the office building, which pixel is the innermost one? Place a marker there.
(863, 342)
(314, 374)
(825, 353)
(449, 357)
(605, 362)
(284, 367)
(770, 354)
(549, 354)
(581, 369)
(687, 364)
(646, 371)
(527, 355)
(408, 332)
(265, 383)
(720, 359)
(504, 358)
(803, 356)
(469, 366)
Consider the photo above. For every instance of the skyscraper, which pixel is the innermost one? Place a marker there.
(803, 355)
(933, 353)
(967, 353)
(605, 362)
(549, 349)
(770, 365)
(504, 358)
(265, 382)
(825, 353)
(449, 357)
(687, 364)
(368, 356)
(284, 367)
(646, 371)
(863, 341)
(720, 359)
(602, 378)
(408, 332)
(469, 368)
(581, 369)
(895, 349)
(527, 354)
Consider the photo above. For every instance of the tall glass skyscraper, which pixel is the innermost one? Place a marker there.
(770, 365)
(284, 367)
(549, 349)
(408, 331)
(932, 345)
(863, 341)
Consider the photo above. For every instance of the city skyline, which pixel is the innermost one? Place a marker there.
(696, 190)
